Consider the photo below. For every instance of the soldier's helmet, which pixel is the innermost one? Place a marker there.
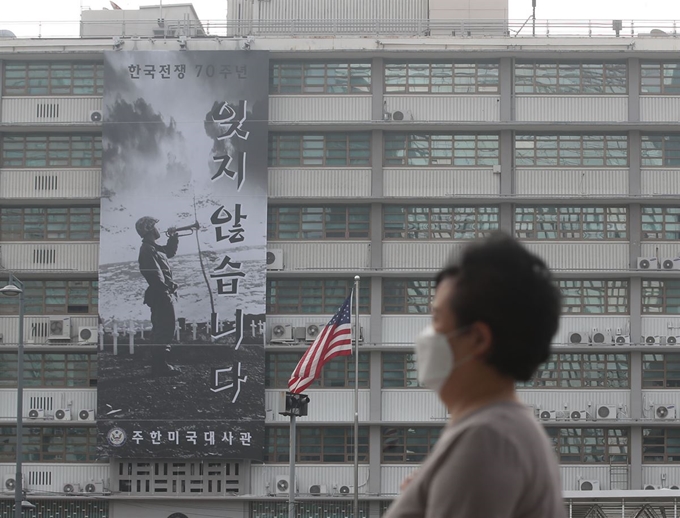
(145, 225)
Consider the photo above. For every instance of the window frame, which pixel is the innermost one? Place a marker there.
(407, 286)
(306, 68)
(443, 150)
(327, 303)
(662, 86)
(37, 446)
(332, 149)
(608, 307)
(56, 150)
(399, 81)
(73, 69)
(663, 377)
(665, 287)
(407, 373)
(40, 298)
(318, 223)
(571, 222)
(279, 449)
(277, 373)
(47, 370)
(564, 376)
(29, 220)
(666, 149)
(435, 220)
(568, 150)
(666, 213)
(415, 451)
(526, 81)
(606, 441)
(660, 433)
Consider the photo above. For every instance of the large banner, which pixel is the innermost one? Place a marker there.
(182, 255)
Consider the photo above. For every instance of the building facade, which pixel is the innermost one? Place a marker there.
(385, 154)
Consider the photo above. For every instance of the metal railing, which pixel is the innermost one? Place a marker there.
(346, 28)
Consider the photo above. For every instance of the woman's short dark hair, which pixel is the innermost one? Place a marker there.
(501, 283)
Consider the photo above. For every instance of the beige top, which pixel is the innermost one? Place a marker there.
(494, 463)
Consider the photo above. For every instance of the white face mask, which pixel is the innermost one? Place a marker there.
(434, 357)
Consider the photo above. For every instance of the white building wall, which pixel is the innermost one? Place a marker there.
(306, 320)
(401, 330)
(563, 400)
(583, 323)
(48, 256)
(51, 477)
(659, 108)
(441, 107)
(412, 405)
(9, 328)
(447, 183)
(49, 110)
(582, 255)
(329, 10)
(575, 108)
(50, 183)
(319, 108)
(327, 406)
(345, 182)
(665, 475)
(48, 400)
(659, 182)
(661, 325)
(407, 255)
(572, 474)
(562, 182)
(323, 255)
(331, 475)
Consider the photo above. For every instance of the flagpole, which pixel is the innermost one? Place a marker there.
(291, 487)
(356, 396)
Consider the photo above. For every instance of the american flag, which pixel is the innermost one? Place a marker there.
(334, 340)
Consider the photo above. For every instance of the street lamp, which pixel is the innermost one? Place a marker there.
(15, 288)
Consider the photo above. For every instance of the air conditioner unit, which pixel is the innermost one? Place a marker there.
(672, 340)
(588, 485)
(86, 415)
(88, 335)
(606, 412)
(94, 486)
(345, 490)
(579, 338)
(71, 488)
(598, 337)
(647, 263)
(622, 340)
(652, 487)
(674, 487)
(62, 414)
(36, 413)
(282, 485)
(275, 259)
(664, 412)
(578, 415)
(318, 490)
(96, 116)
(399, 115)
(670, 264)
(653, 340)
(282, 333)
(60, 329)
(312, 331)
(9, 483)
(548, 415)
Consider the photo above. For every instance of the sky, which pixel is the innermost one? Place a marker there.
(49, 18)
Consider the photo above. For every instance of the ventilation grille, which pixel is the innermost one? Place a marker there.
(44, 256)
(41, 403)
(47, 110)
(39, 478)
(40, 329)
(45, 182)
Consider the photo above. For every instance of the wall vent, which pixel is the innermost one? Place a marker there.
(41, 403)
(44, 256)
(47, 110)
(45, 182)
(39, 478)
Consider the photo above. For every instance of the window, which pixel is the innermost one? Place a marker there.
(329, 222)
(53, 78)
(50, 444)
(661, 370)
(589, 445)
(286, 77)
(338, 373)
(438, 222)
(332, 444)
(319, 150)
(561, 223)
(662, 223)
(408, 444)
(660, 78)
(315, 509)
(404, 296)
(660, 150)
(660, 445)
(399, 370)
(582, 371)
(571, 150)
(312, 296)
(55, 150)
(571, 78)
(442, 78)
(593, 296)
(54, 298)
(50, 370)
(661, 296)
(80, 507)
(427, 149)
(38, 223)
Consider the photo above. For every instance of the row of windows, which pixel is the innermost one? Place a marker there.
(43, 297)
(404, 445)
(562, 370)
(399, 222)
(344, 149)
(556, 222)
(38, 223)
(324, 296)
(445, 77)
(50, 444)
